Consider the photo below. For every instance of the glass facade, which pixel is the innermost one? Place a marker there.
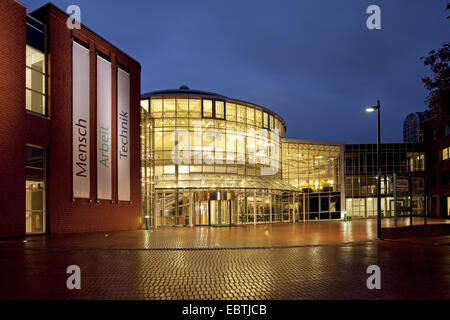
(314, 169)
(216, 161)
(147, 165)
(211, 160)
(361, 176)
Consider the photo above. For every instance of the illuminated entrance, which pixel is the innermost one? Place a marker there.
(213, 208)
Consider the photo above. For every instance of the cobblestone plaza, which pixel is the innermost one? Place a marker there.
(326, 260)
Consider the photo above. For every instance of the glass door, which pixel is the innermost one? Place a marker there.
(201, 213)
(35, 214)
(220, 212)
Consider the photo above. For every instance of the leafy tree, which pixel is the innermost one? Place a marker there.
(438, 100)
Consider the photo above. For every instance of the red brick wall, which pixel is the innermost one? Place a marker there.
(435, 165)
(12, 118)
(81, 215)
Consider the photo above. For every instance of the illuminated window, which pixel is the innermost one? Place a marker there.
(35, 81)
(35, 188)
(207, 109)
(144, 104)
(182, 108)
(195, 108)
(266, 120)
(169, 108)
(231, 112)
(241, 113)
(445, 153)
(258, 118)
(220, 110)
(251, 116)
(156, 108)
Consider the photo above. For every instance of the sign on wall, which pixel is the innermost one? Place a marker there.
(403, 185)
(80, 121)
(104, 181)
(123, 135)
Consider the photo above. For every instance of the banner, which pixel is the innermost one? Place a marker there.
(80, 121)
(123, 135)
(104, 182)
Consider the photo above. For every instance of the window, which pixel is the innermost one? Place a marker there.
(241, 114)
(220, 110)
(182, 108)
(214, 109)
(144, 105)
(250, 116)
(266, 120)
(231, 112)
(445, 153)
(156, 108)
(35, 190)
(195, 108)
(169, 108)
(207, 109)
(35, 81)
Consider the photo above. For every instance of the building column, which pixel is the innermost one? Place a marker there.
(191, 211)
(254, 207)
(293, 207)
(304, 207)
(342, 180)
(270, 206)
(155, 213)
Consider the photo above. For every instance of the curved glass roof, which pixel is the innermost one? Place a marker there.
(186, 92)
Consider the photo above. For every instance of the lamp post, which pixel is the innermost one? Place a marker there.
(372, 109)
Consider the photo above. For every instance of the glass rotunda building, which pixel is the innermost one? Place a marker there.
(212, 160)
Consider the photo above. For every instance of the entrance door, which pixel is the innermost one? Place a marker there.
(201, 213)
(35, 214)
(220, 212)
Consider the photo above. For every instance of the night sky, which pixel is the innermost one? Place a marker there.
(313, 62)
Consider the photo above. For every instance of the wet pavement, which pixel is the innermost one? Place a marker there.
(244, 236)
(314, 260)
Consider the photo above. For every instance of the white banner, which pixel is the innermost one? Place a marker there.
(123, 135)
(104, 181)
(80, 121)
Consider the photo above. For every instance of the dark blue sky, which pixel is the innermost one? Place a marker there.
(313, 62)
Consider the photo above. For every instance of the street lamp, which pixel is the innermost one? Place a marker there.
(372, 109)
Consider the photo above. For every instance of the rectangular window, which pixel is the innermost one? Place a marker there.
(144, 105)
(266, 120)
(195, 108)
(207, 109)
(241, 114)
(445, 153)
(220, 110)
(231, 112)
(169, 108)
(182, 108)
(156, 108)
(250, 116)
(258, 118)
(35, 81)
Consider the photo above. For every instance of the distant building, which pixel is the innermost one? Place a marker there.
(413, 128)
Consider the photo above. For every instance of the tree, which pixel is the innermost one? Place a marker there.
(438, 100)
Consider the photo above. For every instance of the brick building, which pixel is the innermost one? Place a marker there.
(437, 141)
(50, 76)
